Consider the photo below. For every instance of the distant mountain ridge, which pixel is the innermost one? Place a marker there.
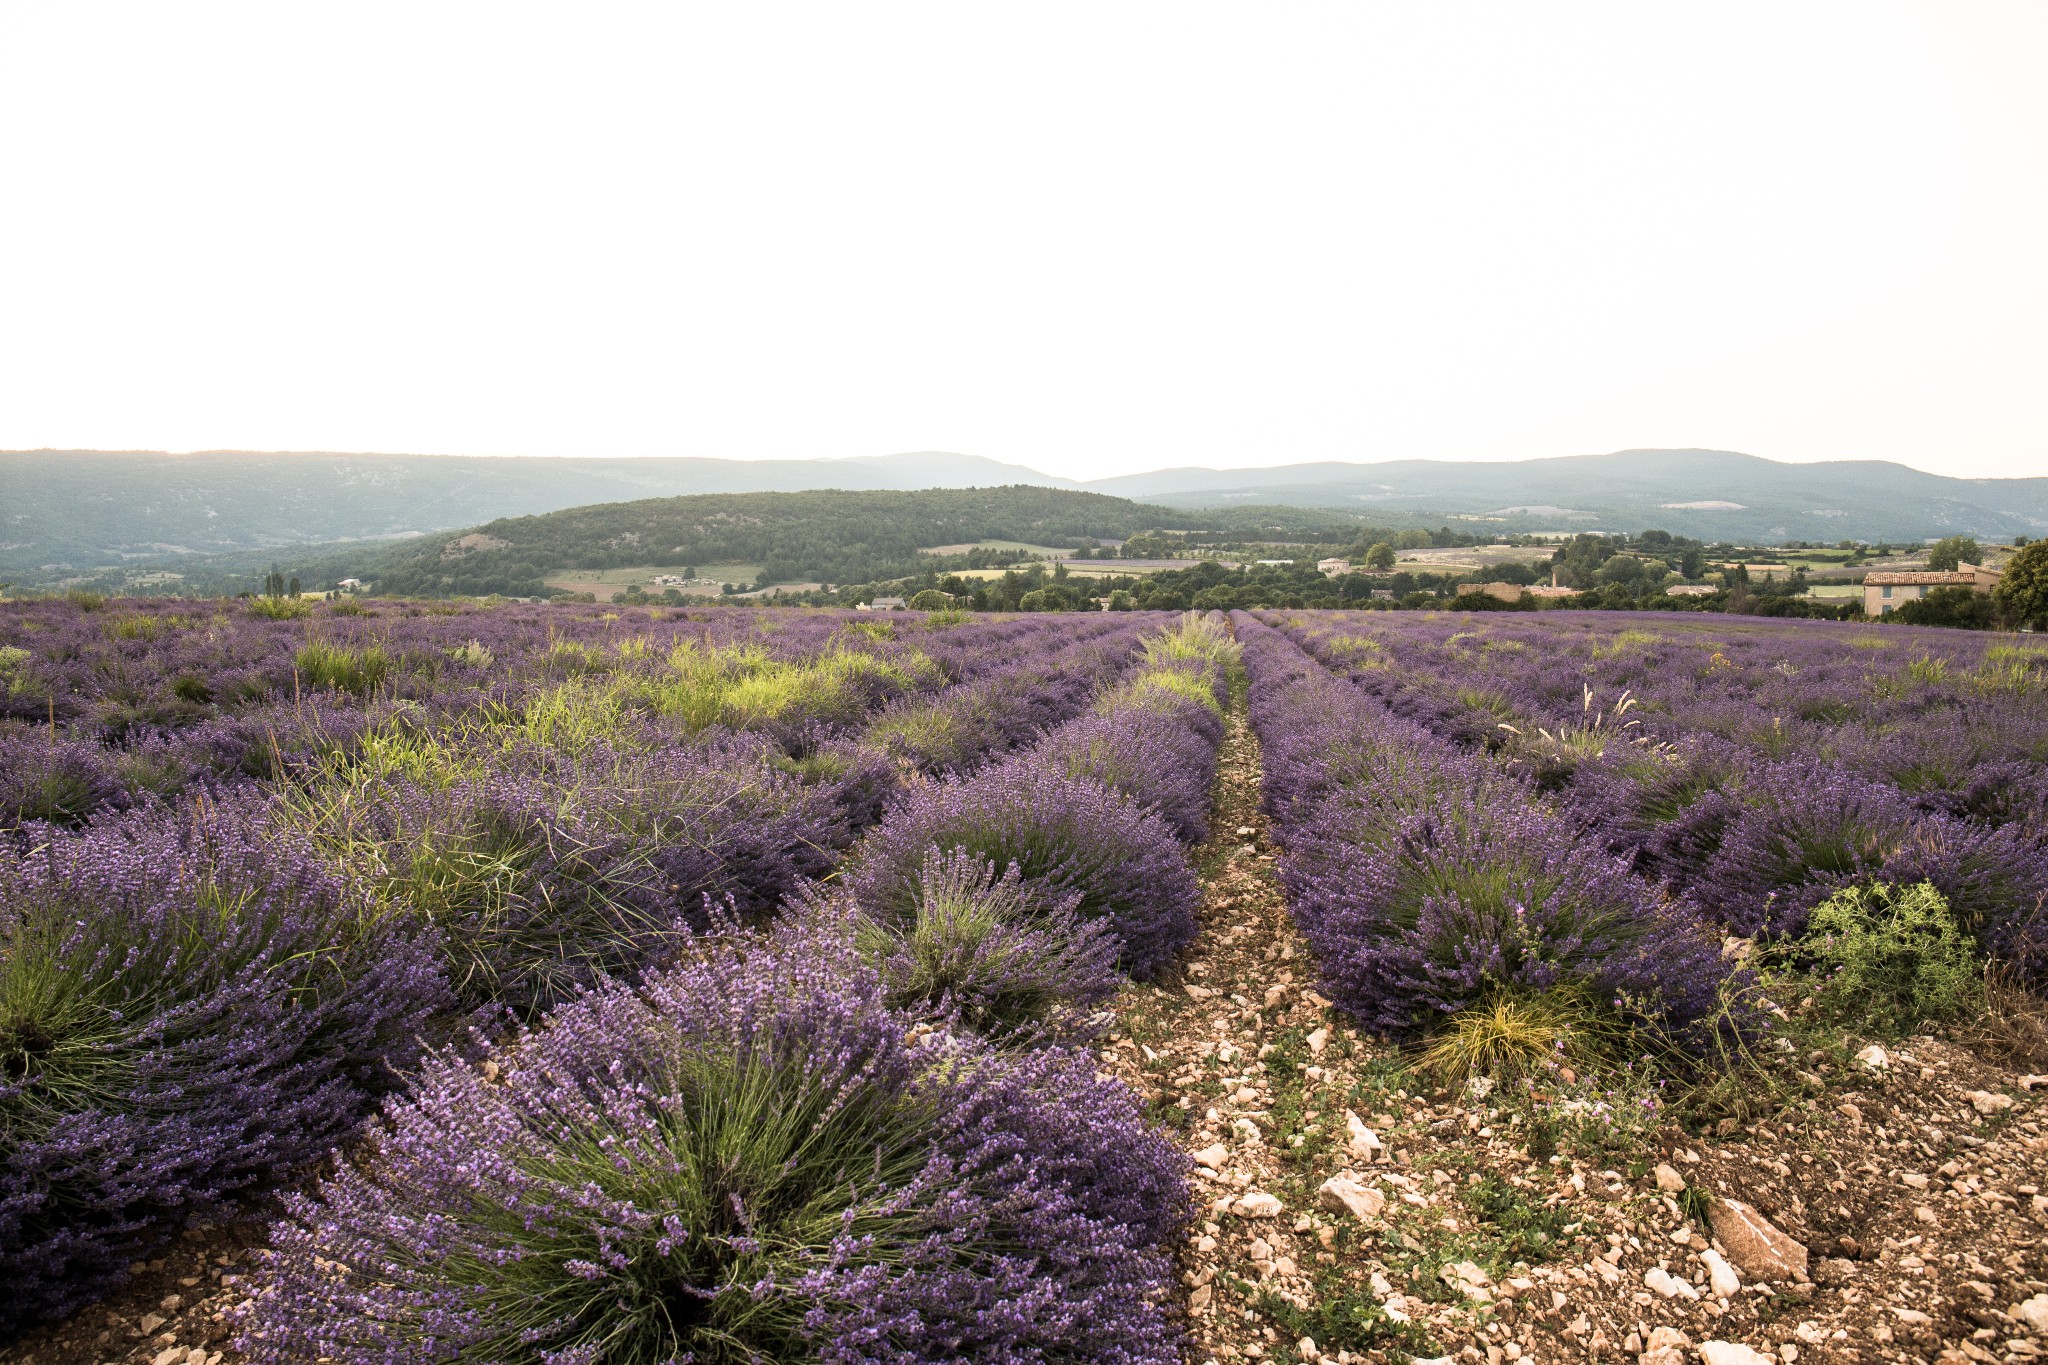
(88, 507)
(107, 507)
(1712, 494)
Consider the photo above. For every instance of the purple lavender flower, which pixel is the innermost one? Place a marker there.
(976, 949)
(189, 1008)
(750, 1157)
(1067, 836)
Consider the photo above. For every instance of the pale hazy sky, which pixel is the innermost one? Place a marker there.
(1094, 237)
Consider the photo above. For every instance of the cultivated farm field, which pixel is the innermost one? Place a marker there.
(390, 982)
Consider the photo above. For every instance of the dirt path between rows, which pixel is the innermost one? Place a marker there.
(1908, 1183)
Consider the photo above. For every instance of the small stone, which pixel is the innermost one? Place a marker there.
(1306, 1349)
(1468, 1279)
(1834, 1271)
(1913, 1180)
(1245, 831)
(2033, 1082)
(1912, 1317)
(1213, 1157)
(2034, 1312)
(1258, 1204)
(1317, 1041)
(1759, 1250)
(1731, 1353)
(1667, 1346)
(1987, 1104)
(1668, 1285)
(1340, 1193)
(1721, 1276)
(1669, 1180)
(169, 1355)
(1361, 1142)
(151, 1321)
(1874, 1057)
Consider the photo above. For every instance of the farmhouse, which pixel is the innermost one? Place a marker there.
(1884, 590)
(1332, 567)
(1506, 592)
(881, 604)
(1690, 590)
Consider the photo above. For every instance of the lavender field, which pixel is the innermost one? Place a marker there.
(553, 984)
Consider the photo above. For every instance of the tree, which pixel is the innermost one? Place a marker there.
(1953, 550)
(1963, 608)
(931, 599)
(2022, 592)
(1381, 558)
(1626, 570)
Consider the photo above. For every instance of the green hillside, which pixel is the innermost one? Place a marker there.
(822, 535)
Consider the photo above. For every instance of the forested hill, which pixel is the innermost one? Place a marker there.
(823, 535)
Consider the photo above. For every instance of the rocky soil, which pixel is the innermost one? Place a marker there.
(1892, 1211)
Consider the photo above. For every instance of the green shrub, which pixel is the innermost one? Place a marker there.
(342, 669)
(280, 608)
(1889, 959)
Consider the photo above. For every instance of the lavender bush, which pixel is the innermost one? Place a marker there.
(976, 949)
(750, 1158)
(1067, 836)
(189, 1008)
(1428, 881)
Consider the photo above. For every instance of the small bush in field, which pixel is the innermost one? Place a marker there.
(189, 1008)
(750, 1158)
(978, 948)
(340, 668)
(1518, 1034)
(280, 608)
(1067, 836)
(1890, 959)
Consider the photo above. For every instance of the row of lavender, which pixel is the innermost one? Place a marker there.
(1955, 719)
(201, 996)
(1755, 769)
(1427, 881)
(866, 1133)
(201, 993)
(112, 707)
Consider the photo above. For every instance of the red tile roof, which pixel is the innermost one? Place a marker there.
(1919, 576)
